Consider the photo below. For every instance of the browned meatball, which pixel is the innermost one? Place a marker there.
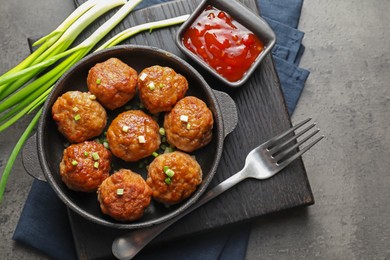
(189, 124)
(79, 116)
(112, 82)
(185, 173)
(124, 195)
(160, 88)
(133, 135)
(85, 165)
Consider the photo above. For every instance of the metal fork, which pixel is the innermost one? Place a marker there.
(261, 163)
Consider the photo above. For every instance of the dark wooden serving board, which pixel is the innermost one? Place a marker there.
(262, 114)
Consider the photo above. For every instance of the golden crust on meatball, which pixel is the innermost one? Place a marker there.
(133, 135)
(160, 88)
(189, 124)
(124, 195)
(173, 177)
(113, 82)
(84, 166)
(79, 116)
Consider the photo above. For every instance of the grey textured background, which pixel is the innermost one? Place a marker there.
(348, 54)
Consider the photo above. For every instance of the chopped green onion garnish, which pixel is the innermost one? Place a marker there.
(143, 76)
(170, 173)
(86, 153)
(77, 117)
(74, 162)
(95, 156)
(98, 81)
(155, 154)
(105, 144)
(161, 85)
(92, 97)
(151, 86)
(141, 139)
(161, 131)
(188, 126)
(75, 109)
(166, 168)
(125, 128)
(96, 165)
(184, 118)
(119, 191)
(168, 181)
(163, 139)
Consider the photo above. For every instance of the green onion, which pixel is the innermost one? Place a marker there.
(170, 173)
(155, 154)
(54, 45)
(86, 153)
(141, 139)
(95, 156)
(77, 117)
(96, 165)
(184, 118)
(98, 81)
(74, 162)
(161, 131)
(15, 152)
(142, 27)
(168, 181)
(119, 191)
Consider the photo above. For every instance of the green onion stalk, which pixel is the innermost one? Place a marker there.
(15, 152)
(34, 94)
(55, 42)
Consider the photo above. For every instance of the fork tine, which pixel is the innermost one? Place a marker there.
(278, 137)
(295, 156)
(282, 154)
(278, 147)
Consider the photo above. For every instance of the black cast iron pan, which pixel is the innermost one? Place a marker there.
(50, 143)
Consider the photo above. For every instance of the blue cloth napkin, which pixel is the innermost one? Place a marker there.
(44, 224)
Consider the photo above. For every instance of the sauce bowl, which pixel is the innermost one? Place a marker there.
(242, 17)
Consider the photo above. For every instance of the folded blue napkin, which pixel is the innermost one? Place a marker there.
(44, 224)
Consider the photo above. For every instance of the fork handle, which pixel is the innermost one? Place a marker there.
(128, 245)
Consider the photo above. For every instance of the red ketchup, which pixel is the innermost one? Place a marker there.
(224, 44)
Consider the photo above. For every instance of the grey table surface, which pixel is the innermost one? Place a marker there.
(348, 94)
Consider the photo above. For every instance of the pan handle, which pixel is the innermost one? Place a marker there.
(30, 159)
(229, 111)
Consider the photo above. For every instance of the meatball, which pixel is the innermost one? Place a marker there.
(124, 195)
(112, 82)
(79, 116)
(173, 177)
(133, 135)
(160, 88)
(189, 124)
(85, 166)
